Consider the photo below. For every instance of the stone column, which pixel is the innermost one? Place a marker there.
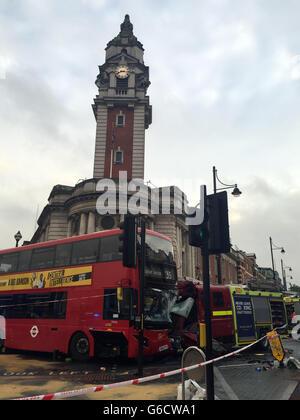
(69, 229)
(82, 227)
(91, 228)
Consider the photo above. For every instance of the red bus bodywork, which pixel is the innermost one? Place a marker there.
(84, 310)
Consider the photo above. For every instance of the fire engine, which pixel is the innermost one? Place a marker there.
(238, 316)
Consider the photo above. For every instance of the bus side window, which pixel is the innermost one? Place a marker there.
(63, 254)
(85, 252)
(34, 305)
(6, 305)
(24, 260)
(112, 309)
(42, 258)
(109, 249)
(8, 263)
(60, 304)
(110, 306)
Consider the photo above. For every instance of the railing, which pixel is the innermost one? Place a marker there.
(121, 92)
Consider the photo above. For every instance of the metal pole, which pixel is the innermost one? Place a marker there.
(218, 256)
(207, 308)
(141, 284)
(215, 179)
(283, 276)
(271, 246)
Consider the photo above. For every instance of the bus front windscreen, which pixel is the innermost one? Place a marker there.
(160, 282)
(159, 249)
(157, 307)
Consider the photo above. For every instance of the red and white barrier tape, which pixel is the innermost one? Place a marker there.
(67, 394)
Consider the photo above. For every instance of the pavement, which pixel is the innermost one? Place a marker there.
(252, 376)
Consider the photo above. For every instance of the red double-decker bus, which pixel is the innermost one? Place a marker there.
(75, 297)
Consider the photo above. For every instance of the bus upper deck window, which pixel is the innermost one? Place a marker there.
(63, 253)
(8, 262)
(24, 260)
(85, 252)
(109, 249)
(42, 258)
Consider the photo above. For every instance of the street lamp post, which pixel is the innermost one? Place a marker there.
(236, 193)
(18, 237)
(274, 247)
(284, 274)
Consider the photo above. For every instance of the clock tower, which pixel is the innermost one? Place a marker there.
(122, 108)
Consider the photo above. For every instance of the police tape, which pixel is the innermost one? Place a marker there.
(73, 393)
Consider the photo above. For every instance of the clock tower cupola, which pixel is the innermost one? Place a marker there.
(121, 108)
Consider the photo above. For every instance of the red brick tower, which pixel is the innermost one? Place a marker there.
(122, 108)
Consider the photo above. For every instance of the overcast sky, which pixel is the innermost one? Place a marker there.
(225, 79)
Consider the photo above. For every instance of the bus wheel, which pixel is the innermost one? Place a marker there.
(80, 347)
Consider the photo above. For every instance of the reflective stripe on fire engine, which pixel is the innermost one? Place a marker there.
(222, 313)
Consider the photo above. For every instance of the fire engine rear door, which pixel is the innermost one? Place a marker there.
(244, 320)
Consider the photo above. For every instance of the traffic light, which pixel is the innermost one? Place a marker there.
(128, 241)
(213, 233)
(198, 234)
(218, 226)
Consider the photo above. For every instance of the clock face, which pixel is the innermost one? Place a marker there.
(122, 72)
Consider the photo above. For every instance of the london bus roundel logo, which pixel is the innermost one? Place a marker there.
(34, 331)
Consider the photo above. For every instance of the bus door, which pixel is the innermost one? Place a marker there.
(244, 324)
